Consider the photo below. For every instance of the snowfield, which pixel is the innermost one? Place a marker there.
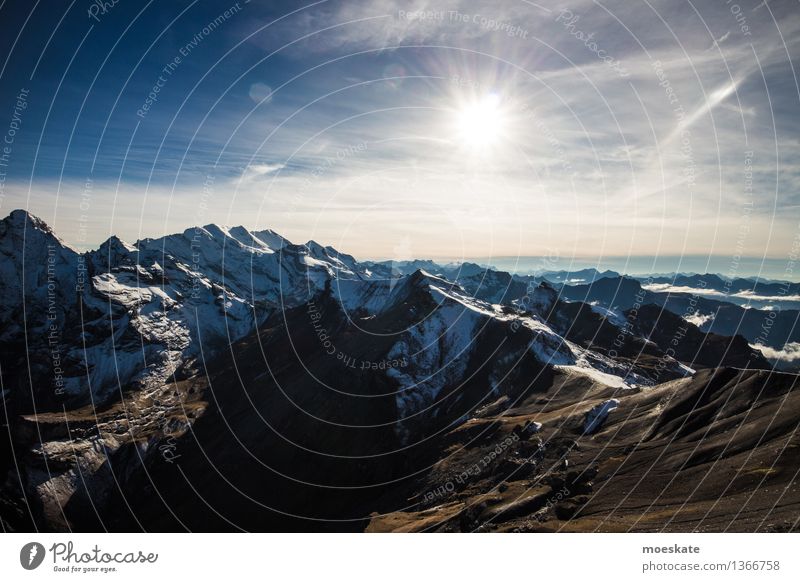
(148, 311)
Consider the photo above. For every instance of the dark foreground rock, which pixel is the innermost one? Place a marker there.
(716, 452)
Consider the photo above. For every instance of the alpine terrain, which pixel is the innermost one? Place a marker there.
(226, 379)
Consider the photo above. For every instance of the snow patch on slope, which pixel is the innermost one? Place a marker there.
(597, 415)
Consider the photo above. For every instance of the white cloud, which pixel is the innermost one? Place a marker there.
(699, 319)
(256, 171)
(789, 353)
(260, 93)
(720, 40)
(667, 288)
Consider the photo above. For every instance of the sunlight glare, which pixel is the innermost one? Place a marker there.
(481, 123)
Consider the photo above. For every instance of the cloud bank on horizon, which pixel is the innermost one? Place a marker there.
(411, 129)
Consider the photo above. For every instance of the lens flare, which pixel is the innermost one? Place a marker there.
(481, 123)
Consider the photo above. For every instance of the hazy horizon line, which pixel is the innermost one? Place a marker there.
(779, 268)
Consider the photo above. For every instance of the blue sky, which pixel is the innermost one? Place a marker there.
(616, 128)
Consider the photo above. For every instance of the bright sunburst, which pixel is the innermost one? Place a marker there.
(481, 123)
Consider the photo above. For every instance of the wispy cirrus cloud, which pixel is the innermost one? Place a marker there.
(343, 116)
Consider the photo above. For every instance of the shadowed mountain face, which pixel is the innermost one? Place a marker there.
(716, 452)
(774, 328)
(709, 281)
(222, 379)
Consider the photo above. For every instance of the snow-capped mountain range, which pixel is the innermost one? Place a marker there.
(108, 356)
(134, 316)
(139, 313)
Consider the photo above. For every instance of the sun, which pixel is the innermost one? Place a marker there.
(480, 124)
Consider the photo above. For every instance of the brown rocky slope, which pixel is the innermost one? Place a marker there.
(718, 451)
